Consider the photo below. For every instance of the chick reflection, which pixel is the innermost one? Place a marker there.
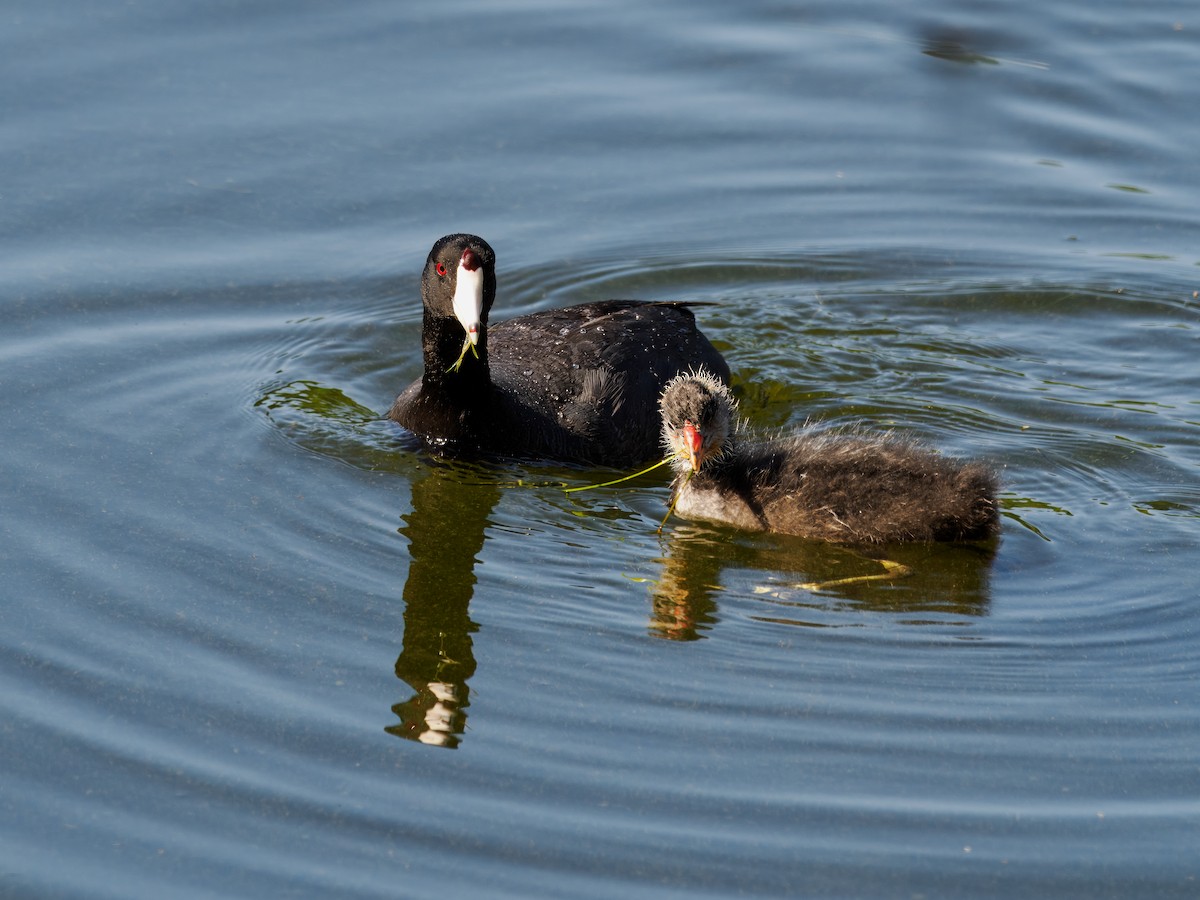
(446, 532)
(818, 577)
(682, 601)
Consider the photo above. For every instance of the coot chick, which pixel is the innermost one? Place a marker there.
(842, 486)
(576, 384)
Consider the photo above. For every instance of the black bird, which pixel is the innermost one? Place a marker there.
(576, 384)
(842, 486)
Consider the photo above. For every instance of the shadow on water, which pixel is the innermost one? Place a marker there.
(792, 582)
(813, 582)
(446, 530)
(452, 505)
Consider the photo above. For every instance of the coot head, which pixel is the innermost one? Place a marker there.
(697, 419)
(458, 288)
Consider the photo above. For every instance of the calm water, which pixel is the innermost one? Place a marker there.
(253, 645)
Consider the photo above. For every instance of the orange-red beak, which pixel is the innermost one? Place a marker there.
(693, 441)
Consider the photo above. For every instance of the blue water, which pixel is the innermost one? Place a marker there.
(256, 645)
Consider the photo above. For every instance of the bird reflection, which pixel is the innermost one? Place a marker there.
(798, 583)
(794, 574)
(446, 531)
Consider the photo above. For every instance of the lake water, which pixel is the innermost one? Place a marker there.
(254, 645)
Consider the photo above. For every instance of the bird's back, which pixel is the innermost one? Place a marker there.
(850, 487)
(583, 382)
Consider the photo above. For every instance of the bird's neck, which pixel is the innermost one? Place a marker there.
(443, 339)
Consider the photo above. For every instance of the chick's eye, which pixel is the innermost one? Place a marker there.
(441, 270)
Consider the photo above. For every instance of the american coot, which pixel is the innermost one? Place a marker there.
(575, 384)
(843, 486)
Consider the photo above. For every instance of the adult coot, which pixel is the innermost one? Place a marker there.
(576, 384)
(834, 486)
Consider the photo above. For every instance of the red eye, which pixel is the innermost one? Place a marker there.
(441, 270)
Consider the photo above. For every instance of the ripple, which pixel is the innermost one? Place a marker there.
(338, 576)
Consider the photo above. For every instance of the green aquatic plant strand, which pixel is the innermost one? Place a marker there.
(891, 570)
(467, 345)
(588, 487)
(674, 500)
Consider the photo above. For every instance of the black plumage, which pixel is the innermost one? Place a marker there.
(575, 384)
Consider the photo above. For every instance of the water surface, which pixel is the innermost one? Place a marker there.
(256, 645)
